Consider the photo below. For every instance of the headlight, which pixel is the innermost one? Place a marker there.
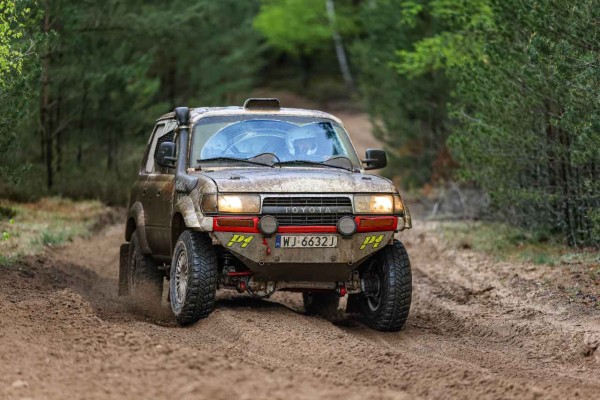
(231, 203)
(374, 204)
(398, 204)
(239, 203)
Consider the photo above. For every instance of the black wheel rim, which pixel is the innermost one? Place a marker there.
(373, 276)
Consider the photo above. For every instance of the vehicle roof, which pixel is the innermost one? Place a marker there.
(200, 112)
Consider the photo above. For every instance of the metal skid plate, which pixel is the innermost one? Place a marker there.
(268, 262)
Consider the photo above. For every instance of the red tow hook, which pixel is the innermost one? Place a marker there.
(242, 287)
(268, 249)
(342, 291)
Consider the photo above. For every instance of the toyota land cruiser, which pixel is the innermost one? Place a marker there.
(259, 199)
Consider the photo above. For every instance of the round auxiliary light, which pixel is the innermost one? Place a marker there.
(346, 226)
(268, 224)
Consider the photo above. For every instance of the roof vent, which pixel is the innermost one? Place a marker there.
(262, 104)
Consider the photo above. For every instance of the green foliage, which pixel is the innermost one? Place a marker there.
(11, 30)
(17, 73)
(409, 112)
(301, 26)
(459, 47)
(101, 75)
(294, 25)
(525, 97)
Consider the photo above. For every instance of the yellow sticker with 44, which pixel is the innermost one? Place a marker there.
(244, 240)
(372, 240)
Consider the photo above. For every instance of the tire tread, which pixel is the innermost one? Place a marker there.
(396, 307)
(200, 295)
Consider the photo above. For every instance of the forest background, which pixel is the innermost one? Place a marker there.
(499, 96)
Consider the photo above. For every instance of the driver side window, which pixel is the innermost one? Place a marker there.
(163, 133)
(158, 131)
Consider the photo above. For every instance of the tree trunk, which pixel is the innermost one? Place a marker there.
(60, 136)
(79, 157)
(306, 68)
(45, 123)
(339, 46)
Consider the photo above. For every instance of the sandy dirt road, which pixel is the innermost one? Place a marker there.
(477, 329)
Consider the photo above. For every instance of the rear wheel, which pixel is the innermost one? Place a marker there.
(144, 279)
(387, 285)
(325, 304)
(193, 282)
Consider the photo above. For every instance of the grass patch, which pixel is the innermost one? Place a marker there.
(508, 243)
(30, 227)
(49, 238)
(575, 272)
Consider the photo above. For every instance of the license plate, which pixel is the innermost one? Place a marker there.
(305, 241)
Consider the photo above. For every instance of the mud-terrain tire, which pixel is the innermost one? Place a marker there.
(325, 304)
(386, 309)
(144, 279)
(193, 283)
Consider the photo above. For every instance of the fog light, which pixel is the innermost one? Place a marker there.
(268, 224)
(346, 226)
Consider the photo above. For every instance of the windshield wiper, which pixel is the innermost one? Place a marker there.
(246, 160)
(307, 162)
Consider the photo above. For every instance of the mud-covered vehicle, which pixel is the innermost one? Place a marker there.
(259, 199)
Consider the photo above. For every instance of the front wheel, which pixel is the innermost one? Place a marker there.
(387, 284)
(193, 277)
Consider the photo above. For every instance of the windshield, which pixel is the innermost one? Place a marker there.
(289, 138)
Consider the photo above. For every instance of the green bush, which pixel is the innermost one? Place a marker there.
(409, 112)
(525, 101)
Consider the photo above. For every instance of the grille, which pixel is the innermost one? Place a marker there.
(307, 202)
(308, 219)
(340, 206)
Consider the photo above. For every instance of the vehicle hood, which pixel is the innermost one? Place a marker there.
(297, 180)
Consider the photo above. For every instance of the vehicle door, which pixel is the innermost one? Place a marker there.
(161, 189)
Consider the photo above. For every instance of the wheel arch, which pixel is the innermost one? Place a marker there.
(136, 221)
(178, 226)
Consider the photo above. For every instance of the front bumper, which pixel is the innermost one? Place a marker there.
(324, 264)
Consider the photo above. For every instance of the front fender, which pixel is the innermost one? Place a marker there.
(185, 207)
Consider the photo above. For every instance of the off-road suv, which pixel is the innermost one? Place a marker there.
(258, 199)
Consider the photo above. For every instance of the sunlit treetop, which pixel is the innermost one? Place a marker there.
(11, 27)
(461, 45)
(300, 26)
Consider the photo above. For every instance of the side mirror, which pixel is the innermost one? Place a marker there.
(375, 159)
(165, 157)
